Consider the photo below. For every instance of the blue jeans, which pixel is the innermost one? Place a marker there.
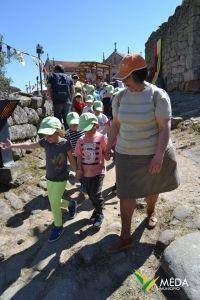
(61, 110)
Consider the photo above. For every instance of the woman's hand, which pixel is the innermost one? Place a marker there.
(155, 164)
(6, 145)
(108, 154)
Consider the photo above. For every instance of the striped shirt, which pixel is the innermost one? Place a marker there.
(137, 112)
(73, 136)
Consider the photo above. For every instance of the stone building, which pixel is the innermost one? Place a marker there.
(180, 36)
(114, 60)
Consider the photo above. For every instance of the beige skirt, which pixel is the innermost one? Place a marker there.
(134, 181)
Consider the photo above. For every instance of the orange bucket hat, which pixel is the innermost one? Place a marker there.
(131, 62)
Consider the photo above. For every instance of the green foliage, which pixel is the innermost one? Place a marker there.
(4, 81)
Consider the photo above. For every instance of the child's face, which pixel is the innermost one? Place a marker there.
(74, 127)
(53, 138)
(97, 112)
(91, 132)
(89, 104)
(78, 99)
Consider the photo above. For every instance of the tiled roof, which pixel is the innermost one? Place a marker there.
(66, 64)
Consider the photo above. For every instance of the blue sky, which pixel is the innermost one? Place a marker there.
(78, 30)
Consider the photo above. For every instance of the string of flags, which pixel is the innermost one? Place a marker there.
(17, 54)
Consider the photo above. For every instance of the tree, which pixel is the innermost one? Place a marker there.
(4, 81)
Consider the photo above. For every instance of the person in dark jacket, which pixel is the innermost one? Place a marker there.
(61, 91)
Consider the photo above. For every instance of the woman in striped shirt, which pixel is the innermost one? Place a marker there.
(145, 160)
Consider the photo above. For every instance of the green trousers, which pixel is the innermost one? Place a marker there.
(55, 192)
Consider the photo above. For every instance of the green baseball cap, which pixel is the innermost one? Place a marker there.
(109, 89)
(87, 121)
(89, 98)
(98, 105)
(89, 88)
(49, 125)
(72, 118)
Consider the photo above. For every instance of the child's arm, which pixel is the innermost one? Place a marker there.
(26, 146)
(72, 160)
(79, 172)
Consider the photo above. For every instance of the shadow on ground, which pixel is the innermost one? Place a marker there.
(88, 273)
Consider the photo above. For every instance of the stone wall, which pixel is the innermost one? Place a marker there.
(180, 48)
(26, 118)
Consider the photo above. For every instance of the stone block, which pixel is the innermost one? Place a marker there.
(22, 132)
(33, 117)
(24, 101)
(40, 112)
(14, 200)
(19, 116)
(181, 260)
(36, 102)
(6, 212)
(182, 212)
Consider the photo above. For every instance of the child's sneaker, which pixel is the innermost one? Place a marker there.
(56, 232)
(98, 221)
(72, 209)
(93, 216)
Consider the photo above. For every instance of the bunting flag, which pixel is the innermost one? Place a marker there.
(8, 53)
(157, 60)
(11, 51)
(20, 58)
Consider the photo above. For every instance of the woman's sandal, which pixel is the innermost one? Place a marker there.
(151, 220)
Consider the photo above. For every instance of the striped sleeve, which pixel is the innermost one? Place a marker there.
(163, 104)
(115, 105)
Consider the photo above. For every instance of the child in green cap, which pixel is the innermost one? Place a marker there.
(58, 150)
(88, 104)
(102, 119)
(89, 151)
(73, 134)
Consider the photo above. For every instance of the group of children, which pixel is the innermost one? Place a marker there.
(83, 145)
(84, 148)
